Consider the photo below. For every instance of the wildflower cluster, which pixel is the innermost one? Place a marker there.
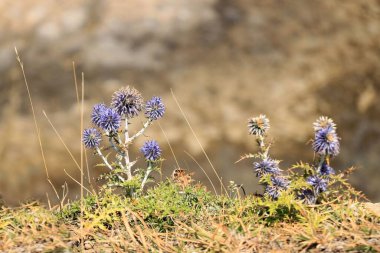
(266, 168)
(315, 178)
(112, 123)
(326, 146)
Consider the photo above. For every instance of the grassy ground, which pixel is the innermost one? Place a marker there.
(176, 218)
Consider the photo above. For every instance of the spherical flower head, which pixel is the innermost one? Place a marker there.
(151, 150)
(97, 112)
(110, 120)
(326, 170)
(91, 138)
(323, 122)
(258, 125)
(266, 166)
(319, 184)
(278, 184)
(307, 196)
(154, 108)
(326, 142)
(127, 101)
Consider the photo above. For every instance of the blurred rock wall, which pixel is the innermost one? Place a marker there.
(225, 61)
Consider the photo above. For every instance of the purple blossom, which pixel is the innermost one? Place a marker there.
(319, 184)
(151, 150)
(127, 101)
(277, 185)
(307, 196)
(97, 112)
(266, 166)
(110, 120)
(154, 108)
(326, 170)
(326, 142)
(91, 138)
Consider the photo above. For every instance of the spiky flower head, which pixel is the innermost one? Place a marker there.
(323, 122)
(97, 112)
(319, 184)
(326, 170)
(154, 108)
(307, 196)
(278, 184)
(151, 150)
(110, 120)
(127, 101)
(326, 142)
(266, 166)
(258, 125)
(91, 138)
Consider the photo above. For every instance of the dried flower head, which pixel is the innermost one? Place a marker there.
(127, 101)
(326, 142)
(324, 122)
(97, 112)
(154, 108)
(319, 184)
(266, 166)
(151, 150)
(326, 170)
(91, 138)
(110, 120)
(278, 184)
(258, 125)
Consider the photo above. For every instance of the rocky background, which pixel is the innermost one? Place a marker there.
(225, 60)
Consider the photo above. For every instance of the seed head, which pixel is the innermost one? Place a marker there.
(258, 125)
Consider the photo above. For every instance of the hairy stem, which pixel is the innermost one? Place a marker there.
(148, 171)
(106, 162)
(126, 154)
(145, 126)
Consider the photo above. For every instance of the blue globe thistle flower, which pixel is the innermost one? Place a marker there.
(258, 125)
(154, 108)
(110, 120)
(323, 122)
(151, 150)
(326, 142)
(319, 184)
(278, 184)
(326, 170)
(91, 138)
(97, 112)
(307, 196)
(127, 101)
(266, 166)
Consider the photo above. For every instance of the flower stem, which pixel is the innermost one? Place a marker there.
(145, 126)
(107, 163)
(126, 154)
(148, 171)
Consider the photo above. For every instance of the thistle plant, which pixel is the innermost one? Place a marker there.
(314, 182)
(266, 168)
(326, 146)
(112, 123)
